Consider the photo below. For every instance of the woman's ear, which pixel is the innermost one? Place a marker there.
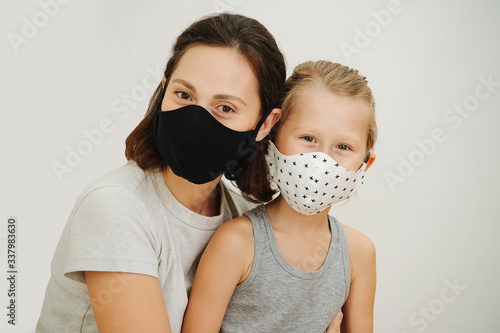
(371, 159)
(268, 124)
(163, 81)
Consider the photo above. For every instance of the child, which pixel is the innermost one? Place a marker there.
(288, 266)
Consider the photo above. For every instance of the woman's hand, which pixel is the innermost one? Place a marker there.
(334, 326)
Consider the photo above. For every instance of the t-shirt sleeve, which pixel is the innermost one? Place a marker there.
(111, 230)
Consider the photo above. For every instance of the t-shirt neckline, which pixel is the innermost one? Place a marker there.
(181, 212)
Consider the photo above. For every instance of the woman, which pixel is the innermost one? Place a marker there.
(127, 256)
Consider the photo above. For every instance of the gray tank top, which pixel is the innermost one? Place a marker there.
(278, 297)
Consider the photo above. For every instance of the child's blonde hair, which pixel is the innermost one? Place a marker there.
(336, 78)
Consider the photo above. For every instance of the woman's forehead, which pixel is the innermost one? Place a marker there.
(221, 70)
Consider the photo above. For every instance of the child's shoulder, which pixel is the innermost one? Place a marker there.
(361, 251)
(234, 240)
(235, 235)
(358, 240)
(240, 227)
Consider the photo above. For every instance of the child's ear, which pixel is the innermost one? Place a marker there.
(371, 159)
(163, 81)
(268, 124)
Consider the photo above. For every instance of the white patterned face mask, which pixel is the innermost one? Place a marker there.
(312, 182)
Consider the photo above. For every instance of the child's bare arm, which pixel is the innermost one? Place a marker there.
(226, 262)
(358, 309)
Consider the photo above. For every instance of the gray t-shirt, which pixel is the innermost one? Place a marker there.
(278, 297)
(128, 221)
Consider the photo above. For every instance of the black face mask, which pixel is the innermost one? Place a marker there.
(199, 148)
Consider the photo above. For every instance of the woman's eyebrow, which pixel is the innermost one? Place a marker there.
(186, 84)
(230, 97)
(218, 96)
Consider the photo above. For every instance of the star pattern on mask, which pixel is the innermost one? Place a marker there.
(311, 182)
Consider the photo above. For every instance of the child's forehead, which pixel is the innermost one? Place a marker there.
(323, 105)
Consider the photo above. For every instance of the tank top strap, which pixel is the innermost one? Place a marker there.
(257, 217)
(339, 237)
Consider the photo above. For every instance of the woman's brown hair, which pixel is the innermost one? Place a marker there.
(252, 40)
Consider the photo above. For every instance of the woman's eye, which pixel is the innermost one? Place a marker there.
(343, 147)
(308, 138)
(183, 95)
(225, 109)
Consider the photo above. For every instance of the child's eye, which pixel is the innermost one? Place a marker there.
(343, 147)
(183, 95)
(309, 138)
(225, 109)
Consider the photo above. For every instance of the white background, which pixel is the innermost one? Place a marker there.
(434, 226)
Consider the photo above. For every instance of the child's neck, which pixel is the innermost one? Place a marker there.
(303, 240)
(285, 218)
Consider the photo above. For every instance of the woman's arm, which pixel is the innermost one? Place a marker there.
(358, 309)
(227, 260)
(126, 302)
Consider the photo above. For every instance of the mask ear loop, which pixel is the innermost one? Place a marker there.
(250, 143)
(260, 123)
(360, 182)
